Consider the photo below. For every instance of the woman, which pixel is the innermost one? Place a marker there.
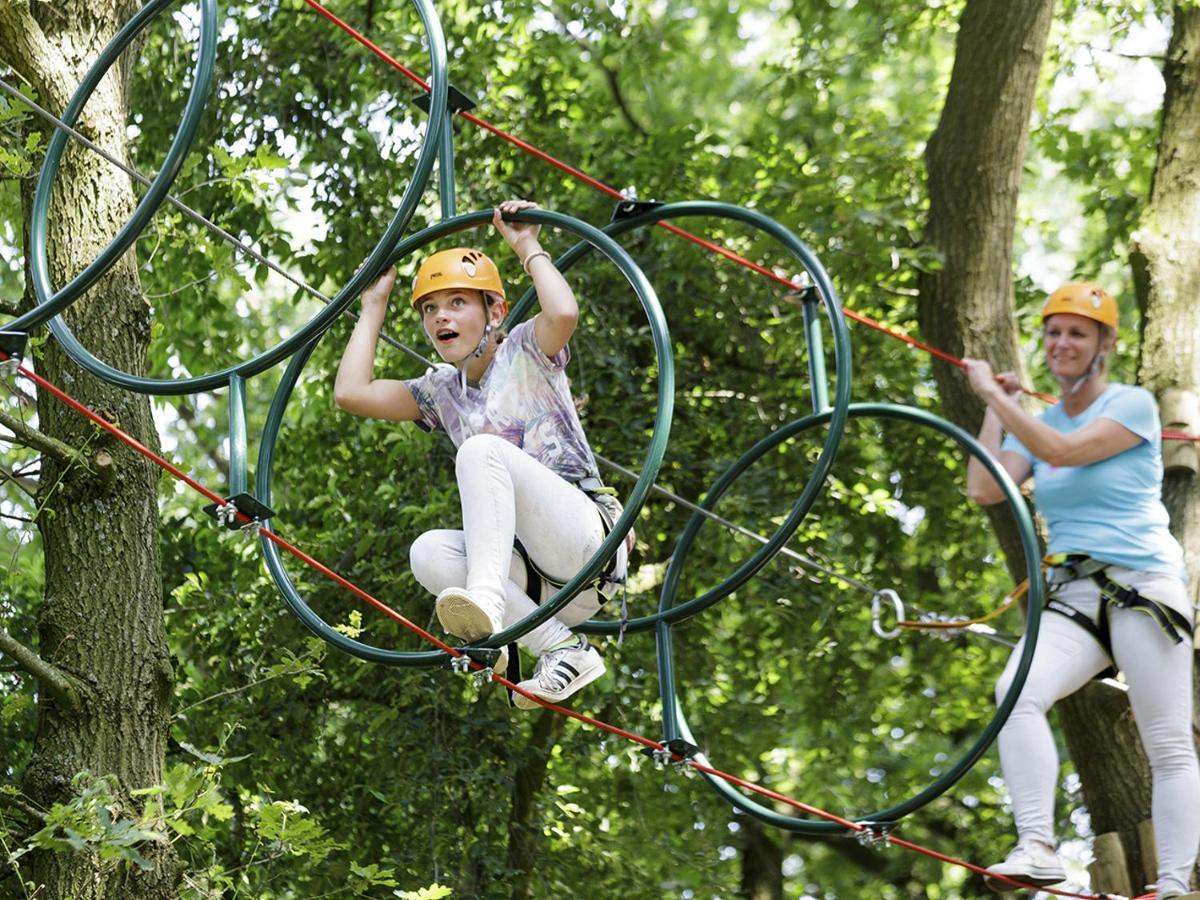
(1117, 582)
(524, 469)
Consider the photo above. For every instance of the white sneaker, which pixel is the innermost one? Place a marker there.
(560, 673)
(464, 615)
(1029, 863)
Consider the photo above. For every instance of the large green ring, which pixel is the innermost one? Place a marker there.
(633, 503)
(675, 725)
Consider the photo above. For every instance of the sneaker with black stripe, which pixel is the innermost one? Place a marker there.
(560, 672)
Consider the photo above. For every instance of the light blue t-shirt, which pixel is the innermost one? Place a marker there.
(1110, 510)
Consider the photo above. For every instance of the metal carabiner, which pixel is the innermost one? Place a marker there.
(877, 610)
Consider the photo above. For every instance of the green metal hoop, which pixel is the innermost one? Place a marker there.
(841, 347)
(637, 496)
(375, 262)
(675, 725)
(50, 303)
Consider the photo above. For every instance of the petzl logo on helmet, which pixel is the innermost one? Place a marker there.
(469, 268)
(1095, 301)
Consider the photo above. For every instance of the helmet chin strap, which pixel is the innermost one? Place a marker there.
(483, 341)
(474, 354)
(1092, 370)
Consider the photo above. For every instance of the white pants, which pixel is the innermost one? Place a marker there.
(506, 493)
(1159, 674)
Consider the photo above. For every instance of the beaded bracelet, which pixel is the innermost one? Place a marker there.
(531, 257)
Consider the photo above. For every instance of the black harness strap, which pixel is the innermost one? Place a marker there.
(1075, 566)
(1098, 630)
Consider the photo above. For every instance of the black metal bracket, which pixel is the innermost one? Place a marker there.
(456, 102)
(627, 209)
(246, 504)
(485, 656)
(12, 344)
(675, 750)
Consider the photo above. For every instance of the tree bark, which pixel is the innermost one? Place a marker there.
(101, 619)
(762, 862)
(974, 161)
(1166, 265)
(528, 781)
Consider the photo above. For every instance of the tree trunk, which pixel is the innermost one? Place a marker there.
(762, 862)
(101, 621)
(530, 777)
(974, 161)
(1166, 264)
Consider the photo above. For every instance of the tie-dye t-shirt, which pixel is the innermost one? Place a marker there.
(523, 397)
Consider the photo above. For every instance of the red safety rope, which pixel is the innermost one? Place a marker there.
(674, 229)
(178, 473)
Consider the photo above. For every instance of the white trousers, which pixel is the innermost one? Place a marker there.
(506, 493)
(1159, 674)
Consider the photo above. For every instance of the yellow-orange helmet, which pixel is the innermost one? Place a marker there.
(1083, 298)
(461, 267)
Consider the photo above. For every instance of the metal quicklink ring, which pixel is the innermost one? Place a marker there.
(877, 611)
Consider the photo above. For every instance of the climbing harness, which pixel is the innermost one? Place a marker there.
(1064, 568)
(613, 577)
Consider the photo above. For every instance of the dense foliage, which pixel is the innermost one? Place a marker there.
(297, 772)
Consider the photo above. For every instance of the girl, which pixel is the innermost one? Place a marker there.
(524, 468)
(1117, 581)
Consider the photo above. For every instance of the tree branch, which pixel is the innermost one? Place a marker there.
(10, 307)
(28, 485)
(611, 75)
(52, 678)
(23, 399)
(21, 805)
(21, 38)
(35, 440)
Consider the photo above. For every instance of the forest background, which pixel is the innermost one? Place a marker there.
(168, 729)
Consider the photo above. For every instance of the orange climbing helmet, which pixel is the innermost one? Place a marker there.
(461, 267)
(1083, 298)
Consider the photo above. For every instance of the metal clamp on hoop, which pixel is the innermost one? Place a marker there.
(877, 611)
(12, 351)
(803, 290)
(226, 513)
(456, 101)
(874, 834)
(630, 206)
(665, 755)
(486, 657)
(251, 529)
